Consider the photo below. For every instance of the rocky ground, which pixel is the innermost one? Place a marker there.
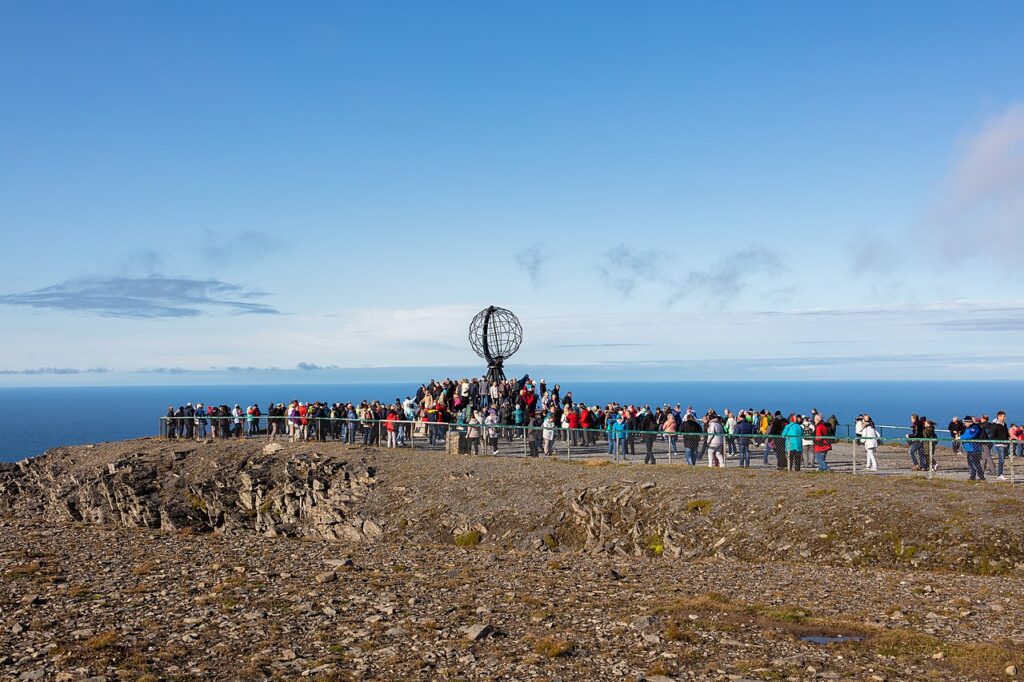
(153, 560)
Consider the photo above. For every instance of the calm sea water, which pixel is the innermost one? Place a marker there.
(36, 419)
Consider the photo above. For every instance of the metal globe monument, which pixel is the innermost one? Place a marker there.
(495, 335)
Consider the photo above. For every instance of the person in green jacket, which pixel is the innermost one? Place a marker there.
(794, 435)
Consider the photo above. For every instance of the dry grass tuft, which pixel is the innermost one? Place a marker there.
(104, 640)
(553, 647)
(145, 568)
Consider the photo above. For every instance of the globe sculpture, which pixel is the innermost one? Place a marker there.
(495, 334)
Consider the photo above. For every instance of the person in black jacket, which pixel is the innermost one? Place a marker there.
(171, 423)
(930, 439)
(956, 429)
(648, 424)
(997, 431)
(188, 422)
(535, 433)
(986, 448)
(916, 446)
(692, 433)
(778, 425)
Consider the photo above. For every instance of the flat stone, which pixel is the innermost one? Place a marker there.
(328, 577)
(475, 633)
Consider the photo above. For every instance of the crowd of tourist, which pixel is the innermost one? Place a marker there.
(490, 415)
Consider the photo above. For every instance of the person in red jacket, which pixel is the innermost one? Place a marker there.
(586, 422)
(391, 425)
(822, 442)
(573, 419)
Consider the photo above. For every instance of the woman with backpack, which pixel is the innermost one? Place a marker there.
(869, 438)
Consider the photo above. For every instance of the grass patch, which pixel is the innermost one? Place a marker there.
(970, 658)
(550, 541)
(786, 614)
(81, 593)
(145, 568)
(709, 601)
(553, 647)
(821, 492)
(698, 506)
(468, 539)
(104, 640)
(674, 633)
(24, 570)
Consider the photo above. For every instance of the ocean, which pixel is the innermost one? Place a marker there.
(36, 419)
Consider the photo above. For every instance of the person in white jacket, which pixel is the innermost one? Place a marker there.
(716, 442)
(549, 434)
(869, 437)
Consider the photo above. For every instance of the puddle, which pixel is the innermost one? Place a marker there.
(831, 639)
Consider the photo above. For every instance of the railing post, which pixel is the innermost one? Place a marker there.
(853, 453)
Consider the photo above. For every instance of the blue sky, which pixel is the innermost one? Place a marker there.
(667, 190)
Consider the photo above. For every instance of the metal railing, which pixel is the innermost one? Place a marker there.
(941, 457)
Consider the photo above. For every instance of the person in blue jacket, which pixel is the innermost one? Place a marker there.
(618, 431)
(743, 429)
(794, 435)
(972, 432)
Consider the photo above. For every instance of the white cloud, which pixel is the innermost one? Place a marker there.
(981, 212)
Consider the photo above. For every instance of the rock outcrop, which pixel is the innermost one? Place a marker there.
(297, 494)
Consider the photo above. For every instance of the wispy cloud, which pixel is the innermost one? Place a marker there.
(531, 261)
(981, 212)
(623, 268)
(54, 370)
(141, 262)
(142, 297)
(727, 276)
(229, 246)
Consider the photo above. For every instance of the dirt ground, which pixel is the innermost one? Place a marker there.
(517, 568)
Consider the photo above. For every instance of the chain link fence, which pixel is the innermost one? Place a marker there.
(895, 453)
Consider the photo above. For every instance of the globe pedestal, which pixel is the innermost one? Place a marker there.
(495, 374)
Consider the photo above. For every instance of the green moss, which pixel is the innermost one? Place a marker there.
(195, 501)
(655, 545)
(821, 492)
(469, 539)
(698, 506)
